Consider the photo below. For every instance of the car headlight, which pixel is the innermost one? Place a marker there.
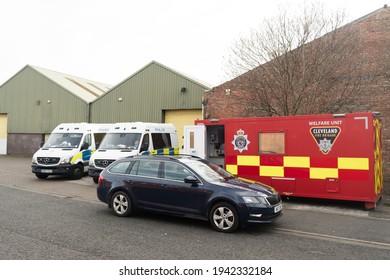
(34, 161)
(255, 199)
(250, 199)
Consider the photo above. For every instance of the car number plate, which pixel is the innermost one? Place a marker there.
(278, 208)
(46, 171)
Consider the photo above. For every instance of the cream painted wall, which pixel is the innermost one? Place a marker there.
(180, 118)
(3, 134)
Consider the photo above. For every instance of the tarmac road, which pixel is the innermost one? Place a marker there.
(57, 218)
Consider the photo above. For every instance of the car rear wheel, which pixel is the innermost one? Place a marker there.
(121, 204)
(224, 217)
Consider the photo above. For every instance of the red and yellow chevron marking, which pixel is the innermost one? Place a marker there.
(301, 167)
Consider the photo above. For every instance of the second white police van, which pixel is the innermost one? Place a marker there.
(128, 139)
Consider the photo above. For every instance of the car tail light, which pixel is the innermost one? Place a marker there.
(100, 180)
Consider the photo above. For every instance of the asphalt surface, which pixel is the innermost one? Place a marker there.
(58, 218)
(36, 226)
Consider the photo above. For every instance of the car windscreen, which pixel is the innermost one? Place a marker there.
(115, 141)
(209, 171)
(63, 140)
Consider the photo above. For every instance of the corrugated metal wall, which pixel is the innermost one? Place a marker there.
(146, 95)
(35, 104)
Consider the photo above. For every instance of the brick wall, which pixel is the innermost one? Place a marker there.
(228, 100)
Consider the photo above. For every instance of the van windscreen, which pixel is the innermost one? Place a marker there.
(114, 141)
(63, 140)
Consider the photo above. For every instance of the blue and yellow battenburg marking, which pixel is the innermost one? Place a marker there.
(165, 151)
(84, 155)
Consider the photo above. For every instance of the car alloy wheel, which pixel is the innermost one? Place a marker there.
(224, 217)
(121, 204)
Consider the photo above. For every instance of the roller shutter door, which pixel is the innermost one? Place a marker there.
(180, 118)
(3, 134)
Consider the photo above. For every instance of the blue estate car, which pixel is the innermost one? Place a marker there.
(186, 186)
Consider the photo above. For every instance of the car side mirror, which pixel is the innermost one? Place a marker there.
(191, 180)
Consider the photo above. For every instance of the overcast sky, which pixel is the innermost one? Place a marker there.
(107, 41)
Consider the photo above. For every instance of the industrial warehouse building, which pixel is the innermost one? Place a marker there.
(35, 100)
(155, 93)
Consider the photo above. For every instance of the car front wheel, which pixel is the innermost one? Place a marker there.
(224, 218)
(121, 204)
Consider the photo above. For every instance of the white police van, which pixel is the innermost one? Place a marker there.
(128, 139)
(68, 149)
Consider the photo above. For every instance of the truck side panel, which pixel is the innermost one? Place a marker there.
(320, 156)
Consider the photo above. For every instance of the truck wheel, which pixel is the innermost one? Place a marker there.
(77, 172)
(41, 176)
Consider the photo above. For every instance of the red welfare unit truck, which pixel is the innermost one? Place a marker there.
(329, 156)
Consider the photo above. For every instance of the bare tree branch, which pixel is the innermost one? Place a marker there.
(303, 64)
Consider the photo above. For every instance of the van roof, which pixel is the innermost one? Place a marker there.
(141, 126)
(83, 127)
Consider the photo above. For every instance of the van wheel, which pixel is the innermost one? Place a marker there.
(41, 176)
(224, 218)
(77, 172)
(95, 179)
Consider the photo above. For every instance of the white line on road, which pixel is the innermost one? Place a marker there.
(359, 242)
